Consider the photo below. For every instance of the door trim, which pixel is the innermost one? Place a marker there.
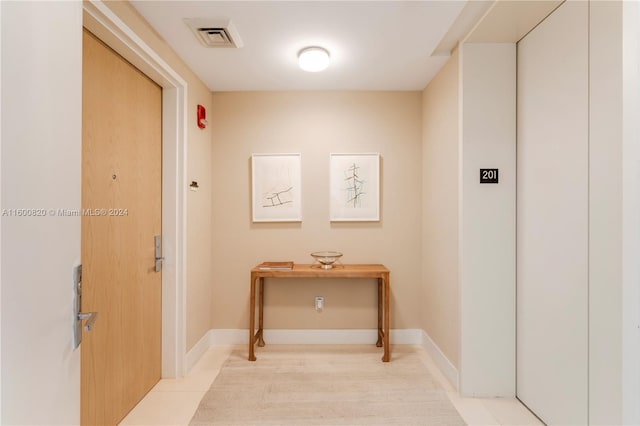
(107, 26)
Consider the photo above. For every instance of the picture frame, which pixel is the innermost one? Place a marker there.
(354, 187)
(276, 190)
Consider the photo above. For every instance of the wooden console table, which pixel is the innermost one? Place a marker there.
(379, 272)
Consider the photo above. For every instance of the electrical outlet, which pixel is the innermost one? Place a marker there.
(319, 303)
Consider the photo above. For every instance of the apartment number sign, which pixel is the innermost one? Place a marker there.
(488, 175)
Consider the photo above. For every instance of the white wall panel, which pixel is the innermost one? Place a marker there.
(41, 148)
(605, 212)
(487, 237)
(552, 217)
(631, 214)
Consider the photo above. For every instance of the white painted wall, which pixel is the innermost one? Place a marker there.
(614, 208)
(487, 226)
(0, 222)
(552, 217)
(631, 213)
(605, 213)
(41, 146)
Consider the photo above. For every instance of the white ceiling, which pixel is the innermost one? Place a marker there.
(374, 45)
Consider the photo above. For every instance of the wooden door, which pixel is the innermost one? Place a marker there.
(552, 217)
(121, 201)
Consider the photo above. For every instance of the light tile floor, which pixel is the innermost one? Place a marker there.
(174, 401)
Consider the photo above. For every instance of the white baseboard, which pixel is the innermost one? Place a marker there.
(196, 352)
(408, 336)
(318, 337)
(440, 359)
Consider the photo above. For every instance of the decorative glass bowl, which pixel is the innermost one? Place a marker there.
(326, 258)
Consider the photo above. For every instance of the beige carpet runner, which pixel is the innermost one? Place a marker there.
(325, 385)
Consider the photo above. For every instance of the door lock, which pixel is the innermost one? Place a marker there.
(77, 306)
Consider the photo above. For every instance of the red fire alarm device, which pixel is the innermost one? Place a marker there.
(202, 117)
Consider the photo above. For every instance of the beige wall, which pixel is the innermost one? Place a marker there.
(316, 124)
(440, 169)
(198, 217)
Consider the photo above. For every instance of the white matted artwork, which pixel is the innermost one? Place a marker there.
(276, 187)
(355, 187)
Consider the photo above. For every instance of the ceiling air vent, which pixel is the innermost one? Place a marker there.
(215, 37)
(215, 32)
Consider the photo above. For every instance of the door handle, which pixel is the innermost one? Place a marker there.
(158, 266)
(91, 316)
(159, 258)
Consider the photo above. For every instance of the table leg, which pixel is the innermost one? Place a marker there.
(379, 342)
(261, 313)
(386, 357)
(252, 318)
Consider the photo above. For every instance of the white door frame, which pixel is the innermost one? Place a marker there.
(107, 26)
(0, 226)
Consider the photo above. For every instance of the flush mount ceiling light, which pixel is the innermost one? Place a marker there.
(313, 59)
